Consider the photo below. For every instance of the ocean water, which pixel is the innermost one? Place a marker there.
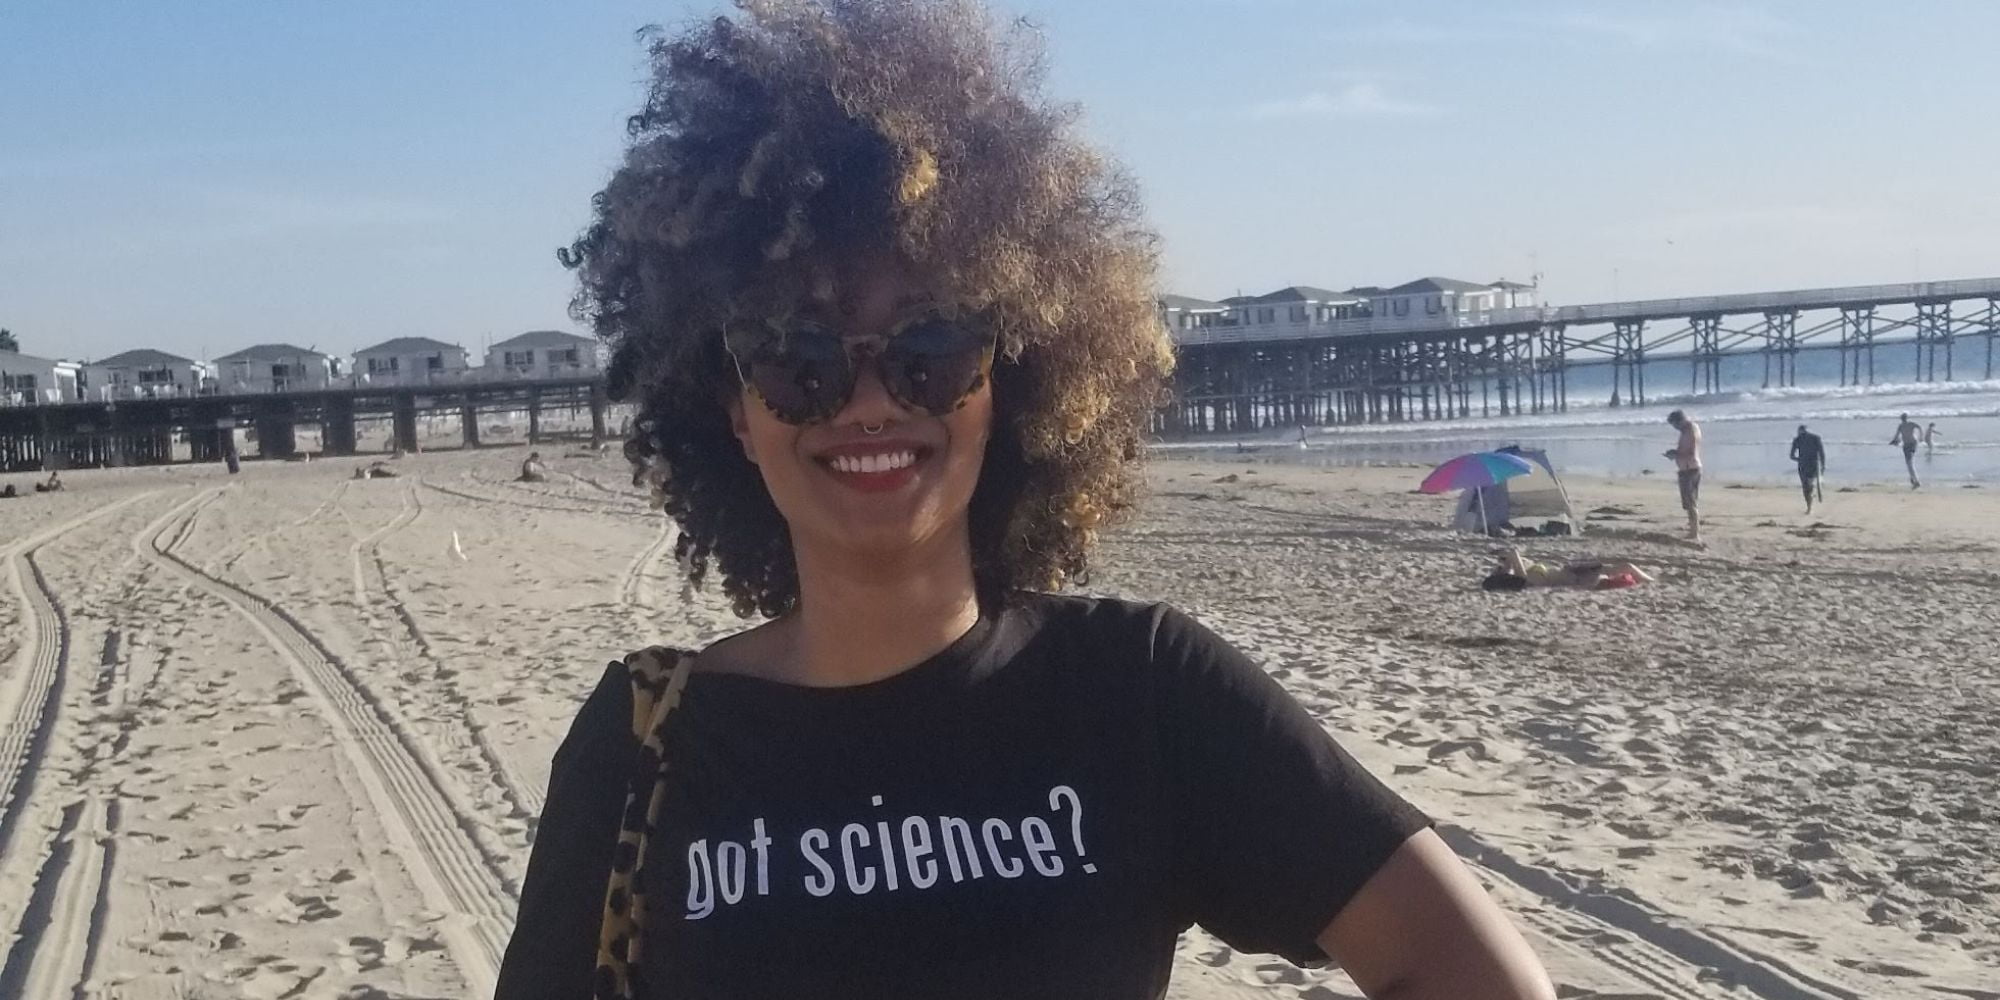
(1747, 429)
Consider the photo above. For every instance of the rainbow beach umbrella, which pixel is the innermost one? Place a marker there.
(1470, 472)
(1475, 471)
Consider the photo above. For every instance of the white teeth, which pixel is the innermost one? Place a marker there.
(874, 463)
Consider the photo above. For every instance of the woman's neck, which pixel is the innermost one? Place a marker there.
(861, 619)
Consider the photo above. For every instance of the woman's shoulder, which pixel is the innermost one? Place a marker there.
(1153, 630)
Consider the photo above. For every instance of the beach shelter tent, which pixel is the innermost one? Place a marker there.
(1534, 498)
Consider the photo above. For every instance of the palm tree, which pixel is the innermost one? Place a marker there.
(7, 341)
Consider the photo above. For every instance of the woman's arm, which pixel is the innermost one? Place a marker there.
(1422, 929)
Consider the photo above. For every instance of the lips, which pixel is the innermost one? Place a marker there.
(874, 466)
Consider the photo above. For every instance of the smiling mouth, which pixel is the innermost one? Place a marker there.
(875, 464)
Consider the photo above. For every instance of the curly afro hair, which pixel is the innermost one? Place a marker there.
(801, 132)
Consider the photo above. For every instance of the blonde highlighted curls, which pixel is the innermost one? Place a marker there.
(802, 131)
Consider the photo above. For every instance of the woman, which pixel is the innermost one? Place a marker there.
(890, 330)
(1517, 572)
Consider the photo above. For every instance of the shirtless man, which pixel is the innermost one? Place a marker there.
(1908, 434)
(532, 470)
(1686, 456)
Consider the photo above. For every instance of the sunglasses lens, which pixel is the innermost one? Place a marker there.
(804, 377)
(934, 364)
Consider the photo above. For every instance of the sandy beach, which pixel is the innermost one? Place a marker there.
(285, 734)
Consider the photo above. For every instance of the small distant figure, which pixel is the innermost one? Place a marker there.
(532, 470)
(1908, 434)
(1302, 435)
(1810, 453)
(1518, 573)
(53, 485)
(8, 492)
(1931, 436)
(375, 470)
(1686, 456)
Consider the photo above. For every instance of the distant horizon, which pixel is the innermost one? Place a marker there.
(303, 174)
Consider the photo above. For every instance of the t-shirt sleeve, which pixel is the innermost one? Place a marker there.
(1277, 827)
(553, 951)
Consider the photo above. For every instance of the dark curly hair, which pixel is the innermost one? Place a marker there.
(803, 131)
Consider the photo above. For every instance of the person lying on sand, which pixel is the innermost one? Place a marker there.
(532, 470)
(1515, 572)
(375, 470)
(889, 325)
(8, 492)
(54, 484)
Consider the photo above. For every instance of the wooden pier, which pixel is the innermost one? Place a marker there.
(148, 431)
(1518, 361)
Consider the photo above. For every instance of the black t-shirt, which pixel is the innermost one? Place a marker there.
(1037, 811)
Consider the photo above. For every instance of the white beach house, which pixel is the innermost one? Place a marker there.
(1440, 298)
(275, 368)
(26, 380)
(546, 354)
(144, 374)
(1294, 305)
(410, 361)
(1303, 311)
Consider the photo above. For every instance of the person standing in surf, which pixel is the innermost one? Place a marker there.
(890, 329)
(1909, 435)
(1686, 456)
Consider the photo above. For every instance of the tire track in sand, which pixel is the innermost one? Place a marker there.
(438, 843)
(633, 589)
(57, 930)
(56, 944)
(30, 695)
(486, 500)
(524, 799)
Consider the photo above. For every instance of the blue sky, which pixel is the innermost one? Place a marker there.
(198, 177)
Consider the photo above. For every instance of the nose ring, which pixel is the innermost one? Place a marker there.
(871, 428)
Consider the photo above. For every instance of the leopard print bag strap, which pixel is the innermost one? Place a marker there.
(658, 676)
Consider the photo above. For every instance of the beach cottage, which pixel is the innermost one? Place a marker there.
(1443, 300)
(410, 361)
(275, 368)
(1295, 305)
(546, 354)
(26, 380)
(145, 374)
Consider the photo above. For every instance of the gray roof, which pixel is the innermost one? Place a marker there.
(545, 338)
(1504, 283)
(1364, 291)
(17, 357)
(409, 345)
(1437, 285)
(1303, 293)
(270, 352)
(142, 356)
(1191, 304)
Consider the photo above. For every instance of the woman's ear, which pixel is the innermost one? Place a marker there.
(739, 424)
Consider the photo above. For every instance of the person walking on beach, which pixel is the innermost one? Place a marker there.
(890, 331)
(1908, 434)
(1810, 454)
(1686, 456)
(1931, 436)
